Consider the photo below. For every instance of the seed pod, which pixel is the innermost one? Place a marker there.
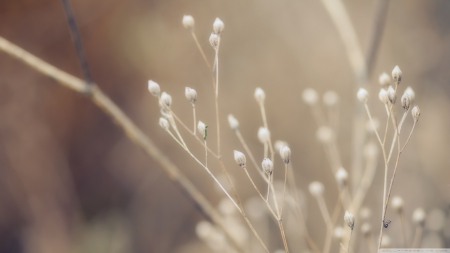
(240, 159)
(384, 79)
(166, 99)
(263, 135)
(383, 96)
(188, 22)
(201, 127)
(415, 113)
(349, 218)
(341, 176)
(397, 204)
(267, 166)
(233, 122)
(406, 101)
(190, 94)
(397, 75)
(214, 40)
(164, 123)
(285, 153)
(316, 188)
(260, 95)
(412, 94)
(392, 96)
(419, 216)
(310, 96)
(153, 87)
(218, 26)
(362, 95)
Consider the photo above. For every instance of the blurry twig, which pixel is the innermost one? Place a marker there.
(130, 129)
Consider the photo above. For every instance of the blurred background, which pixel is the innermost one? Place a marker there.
(71, 181)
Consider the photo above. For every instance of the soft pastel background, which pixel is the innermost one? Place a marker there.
(70, 180)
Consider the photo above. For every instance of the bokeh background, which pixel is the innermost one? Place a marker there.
(71, 181)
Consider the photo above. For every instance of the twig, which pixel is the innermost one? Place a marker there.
(130, 129)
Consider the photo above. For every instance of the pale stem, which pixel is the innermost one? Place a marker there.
(200, 49)
(252, 158)
(283, 235)
(349, 239)
(266, 150)
(373, 124)
(268, 188)
(195, 121)
(264, 117)
(284, 188)
(401, 121)
(417, 236)
(206, 154)
(402, 223)
(225, 191)
(262, 197)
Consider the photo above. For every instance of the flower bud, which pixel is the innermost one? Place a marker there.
(218, 26)
(330, 98)
(316, 188)
(349, 218)
(415, 113)
(233, 122)
(325, 134)
(310, 96)
(279, 145)
(338, 232)
(397, 75)
(366, 228)
(397, 204)
(392, 96)
(153, 87)
(285, 153)
(190, 94)
(164, 123)
(188, 22)
(419, 216)
(341, 176)
(166, 99)
(201, 128)
(383, 96)
(412, 94)
(267, 166)
(384, 79)
(362, 95)
(406, 101)
(260, 95)
(214, 40)
(263, 135)
(239, 157)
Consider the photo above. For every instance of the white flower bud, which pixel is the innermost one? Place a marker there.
(366, 228)
(365, 213)
(310, 96)
(267, 166)
(341, 176)
(233, 122)
(164, 123)
(384, 79)
(397, 204)
(349, 218)
(285, 153)
(214, 40)
(325, 134)
(218, 26)
(279, 145)
(338, 232)
(362, 95)
(383, 96)
(166, 99)
(412, 94)
(188, 22)
(191, 94)
(415, 113)
(370, 151)
(316, 188)
(397, 75)
(260, 95)
(240, 159)
(386, 241)
(330, 98)
(419, 216)
(406, 101)
(392, 95)
(201, 127)
(263, 135)
(153, 87)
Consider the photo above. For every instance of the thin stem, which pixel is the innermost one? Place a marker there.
(349, 239)
(417, 236)
(284, 188)
(369, 241)
(200, 49)
(283, 235)
(402, 223)
(268, 188)
(373, 124)
(262, 197)
(327, 219)
(206, 154)
(195, 121)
